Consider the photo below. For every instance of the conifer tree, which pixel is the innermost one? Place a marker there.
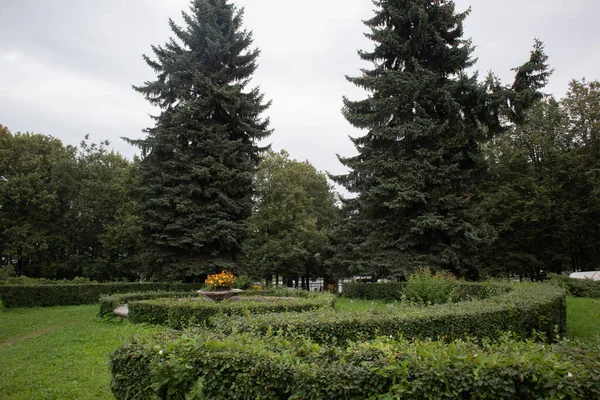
(199, 158)
(420, 162)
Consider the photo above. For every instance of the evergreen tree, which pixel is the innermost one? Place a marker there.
(199, 158)
(419, 165)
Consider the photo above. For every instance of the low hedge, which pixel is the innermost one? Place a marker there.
(395, 290)
(76, 294)
(526, 309)
(180, 313)
(246, 367)
(578, 287)
(110, 302)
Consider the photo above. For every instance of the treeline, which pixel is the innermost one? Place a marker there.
(66, 211)
(476, 177)
(543, 195)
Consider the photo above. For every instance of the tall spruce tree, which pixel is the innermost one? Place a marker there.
(419, 165)
(199, 158)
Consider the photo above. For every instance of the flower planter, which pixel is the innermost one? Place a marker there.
(219, 295)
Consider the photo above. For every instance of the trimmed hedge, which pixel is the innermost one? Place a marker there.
(245, 367)
(526, 309)
(578, 287)
(395, 290)
(109, 303)
(180, 313)
(72, 295)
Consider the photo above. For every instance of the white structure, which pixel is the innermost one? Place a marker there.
(593, 275)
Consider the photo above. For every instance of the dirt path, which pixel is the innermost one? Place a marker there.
(38, 333)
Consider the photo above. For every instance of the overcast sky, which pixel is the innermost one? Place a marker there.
(67, 66)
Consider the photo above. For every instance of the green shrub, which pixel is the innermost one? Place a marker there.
(428, 287)
(461, 291)
(577, 287)
(110, 302)
(76, 294)
(180, 313)
(6, 272)
(24, 280)
(523, 310)
(246, 367)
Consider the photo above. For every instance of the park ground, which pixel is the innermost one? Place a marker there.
(62, 352)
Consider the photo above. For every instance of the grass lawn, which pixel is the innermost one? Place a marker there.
(62, 352)
(59, 352)
(583, 319)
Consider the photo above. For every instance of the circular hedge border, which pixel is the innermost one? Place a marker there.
(524, 309)
(182, 313)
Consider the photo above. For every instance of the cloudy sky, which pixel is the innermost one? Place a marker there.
(67, 66)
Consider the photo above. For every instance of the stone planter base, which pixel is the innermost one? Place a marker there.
(219, 295)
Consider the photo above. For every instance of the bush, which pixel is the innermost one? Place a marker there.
(6, 273)
(180, 313)
(76, 294)
(110, 302)
(577, 287)
(525, 309)
(459, 291)
(246, 367)
(427, 287)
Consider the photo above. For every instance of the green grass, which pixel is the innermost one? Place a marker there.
(583, 319)
(59, 352)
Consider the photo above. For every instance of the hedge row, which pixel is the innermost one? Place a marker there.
(578, 287)
(526, 309)
(246, 367)
(69, 295)
(395, 290)
(110, 302)
(181, 313)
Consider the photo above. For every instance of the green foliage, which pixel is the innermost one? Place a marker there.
(293, 211)
(181, 313)
(460, 291)
(64, 212)
(542, 196)
(6, 273)
(198, 160)
(577, 287)
(428, 287)
(420, 163)
(24, 280)
(245, 367)
(110, 302)
(525, 309)
(74, 294)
